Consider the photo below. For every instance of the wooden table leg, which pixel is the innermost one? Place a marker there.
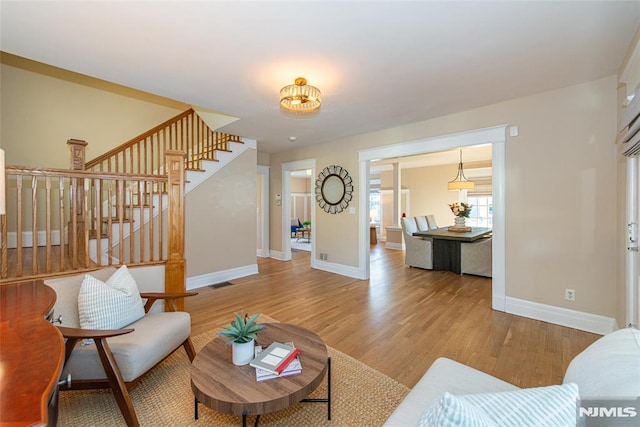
(446, 255)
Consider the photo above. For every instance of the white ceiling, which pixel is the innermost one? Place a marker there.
(379, 64)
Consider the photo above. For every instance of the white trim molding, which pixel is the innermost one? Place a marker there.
(496, 136)
(279, 255)
(287, 168)
(343, 270)
(265, 171)
(561, 316)
(221, 276)
(27, 239)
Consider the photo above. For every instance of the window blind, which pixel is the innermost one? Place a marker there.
(630, 125)
(483, 187)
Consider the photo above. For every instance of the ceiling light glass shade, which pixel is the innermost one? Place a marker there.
(460, 182)
(461, 185)
(300, 97)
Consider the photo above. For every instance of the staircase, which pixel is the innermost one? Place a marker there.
(125, 206)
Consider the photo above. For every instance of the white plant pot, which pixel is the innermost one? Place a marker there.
(242, 353)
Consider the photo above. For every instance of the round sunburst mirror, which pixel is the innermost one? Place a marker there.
(333, 189)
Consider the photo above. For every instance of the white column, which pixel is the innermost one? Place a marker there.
(632, 242)
(397, 195)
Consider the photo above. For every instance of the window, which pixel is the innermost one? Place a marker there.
(375, 208)
(482, 211)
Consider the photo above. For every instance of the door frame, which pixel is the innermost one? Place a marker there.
(496, 136)
(287, 168)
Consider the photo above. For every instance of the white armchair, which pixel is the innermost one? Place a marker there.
(117, 357)
(418, 251)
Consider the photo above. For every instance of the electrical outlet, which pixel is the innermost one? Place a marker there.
(570, 294)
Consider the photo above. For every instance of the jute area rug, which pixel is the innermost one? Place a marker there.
(361, 396)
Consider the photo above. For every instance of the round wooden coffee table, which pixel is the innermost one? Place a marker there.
(219, 384)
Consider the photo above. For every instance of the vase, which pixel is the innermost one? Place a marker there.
(459, 221)
(242, 353)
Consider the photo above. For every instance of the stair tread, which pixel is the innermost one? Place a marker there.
(106, 220)
(144, 205)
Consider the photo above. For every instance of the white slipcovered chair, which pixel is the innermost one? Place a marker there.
(421, 222)
(418, 251)
(431, 220)
(116, 357)
(475, 257)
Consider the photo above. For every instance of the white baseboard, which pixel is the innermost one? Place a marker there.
(27, 239)
(261, 253)
(279, 255)
(561, 316)
(331, 267)
(395, 246)
(221, 276)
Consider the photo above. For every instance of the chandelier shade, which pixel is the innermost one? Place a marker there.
(460, 182)
(300, 97)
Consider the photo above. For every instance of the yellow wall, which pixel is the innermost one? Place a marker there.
(40, 112)
(560, 192)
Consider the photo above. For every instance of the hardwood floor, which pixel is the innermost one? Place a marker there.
(400, 320)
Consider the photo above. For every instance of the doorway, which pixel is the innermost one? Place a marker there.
(497, 138)
(292, 172)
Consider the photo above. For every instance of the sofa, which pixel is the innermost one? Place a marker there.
(606, 372)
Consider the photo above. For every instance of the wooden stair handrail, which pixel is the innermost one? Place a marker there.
(195, 137)
(85, 202)
(91, 163)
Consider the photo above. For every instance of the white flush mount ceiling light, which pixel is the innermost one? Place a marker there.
(300, 97)
(460, 182)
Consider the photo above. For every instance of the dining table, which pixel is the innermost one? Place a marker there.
(447, 245)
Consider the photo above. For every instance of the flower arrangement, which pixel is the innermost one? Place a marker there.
(461, 209)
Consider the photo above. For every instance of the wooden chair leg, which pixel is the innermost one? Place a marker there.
(118, 386)
(188, 347)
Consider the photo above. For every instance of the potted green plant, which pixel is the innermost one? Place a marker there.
(307, 224)
(242, 334)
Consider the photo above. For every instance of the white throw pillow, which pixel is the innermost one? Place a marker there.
(552, 406)
(448, 411)
(608, 368)
(111, 305)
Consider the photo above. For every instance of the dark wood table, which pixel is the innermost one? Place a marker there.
(31, 355)
(446, 245)
(219, 384)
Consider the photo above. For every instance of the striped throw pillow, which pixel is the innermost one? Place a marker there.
(553, 406)
(109, 305)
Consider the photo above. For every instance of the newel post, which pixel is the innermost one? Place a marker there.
(174, 276)
(77, 226)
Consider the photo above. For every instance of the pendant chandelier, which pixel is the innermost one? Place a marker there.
(460, 182)
(300, 97)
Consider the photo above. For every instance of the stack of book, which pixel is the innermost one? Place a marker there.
(277, 360)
